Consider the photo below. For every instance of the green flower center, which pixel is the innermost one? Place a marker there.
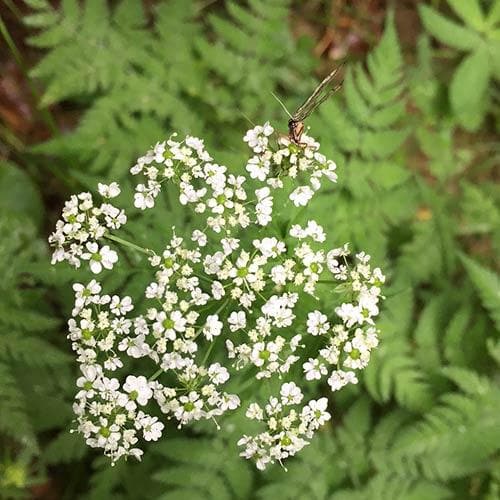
(133, 395)
(189, 406)
(242, 272)
(97, 257)
(87, 385)
(220, 199)
(168, 324)
(314, 267)
(355, 354)
(168, 262)
(286, 441)
(265, 354)
(87, 334)
(104, 432)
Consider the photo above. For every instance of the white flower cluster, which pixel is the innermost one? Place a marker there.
(83, 225)
(229, 279)
(110, 414)
(348, 344)
(222, 197)
(287, 428)
(288, 159)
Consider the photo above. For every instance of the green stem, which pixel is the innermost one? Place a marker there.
(129, 244)
(156, 374)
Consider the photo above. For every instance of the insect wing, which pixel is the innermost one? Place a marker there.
(322, 92)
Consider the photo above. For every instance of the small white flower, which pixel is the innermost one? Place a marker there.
(317, 323)
(151, 428)
(316, 411)
(290, 394)
(314, 369)
(199, 237)
(138, 389)
(254, 412)
(237, 320)
(120, 307)
(258, 168)
(109, 190)
(213, 327)
(218, 374)
(339, 379)
(350, 314)
(301, 196)
(100, 257)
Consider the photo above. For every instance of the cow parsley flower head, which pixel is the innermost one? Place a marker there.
(83, 226)
(240, 293)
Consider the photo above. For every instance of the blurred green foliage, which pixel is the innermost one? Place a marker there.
(416, 189)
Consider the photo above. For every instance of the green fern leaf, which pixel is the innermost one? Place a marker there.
(65, 448)
(487, 285)
(206, 469)
(14, 421)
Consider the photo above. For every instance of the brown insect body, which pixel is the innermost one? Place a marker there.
(295, 130)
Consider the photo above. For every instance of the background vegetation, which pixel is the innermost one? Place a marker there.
(86, 86)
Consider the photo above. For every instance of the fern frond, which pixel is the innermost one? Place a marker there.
(322, 455)
(77, 63)
(487, 285)
(204, 469)
(65, 448)
(383, 487)
(32, 351)
(454, 334)
(14, 421)
(427, 334)
(366, 129)
(393, 372)
(454, 440)
(480, 213)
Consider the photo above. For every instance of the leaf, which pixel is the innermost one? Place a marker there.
(487, 285)
(446, 31)
(470, 11)
(494, 14)
(468, 89)
(455, 332)
(480, 213)
(203, 469)
(38, 4)
(387, 175)
(427, 335)
(14, 419)
(19, 195)
(392, 372)
(67, 447)
(468, 381)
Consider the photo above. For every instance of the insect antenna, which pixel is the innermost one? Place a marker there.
(247, 119)
(282, 104)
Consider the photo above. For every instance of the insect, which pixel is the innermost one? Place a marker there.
(321, 93)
